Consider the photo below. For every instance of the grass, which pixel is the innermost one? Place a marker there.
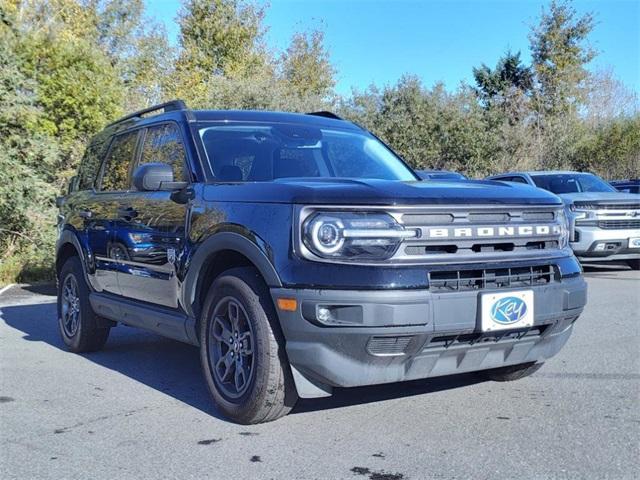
(28, 264)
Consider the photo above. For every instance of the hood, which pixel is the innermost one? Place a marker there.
(598, 197)
(338, 191)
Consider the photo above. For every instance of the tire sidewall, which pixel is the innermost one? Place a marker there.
(250, 401)
(87, 321)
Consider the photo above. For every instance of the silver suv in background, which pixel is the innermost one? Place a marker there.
(605, 222)
(440, 175)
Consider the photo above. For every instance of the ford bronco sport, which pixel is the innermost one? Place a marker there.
(301, 254)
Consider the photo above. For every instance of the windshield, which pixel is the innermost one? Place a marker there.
(267, 152)
(572, 183)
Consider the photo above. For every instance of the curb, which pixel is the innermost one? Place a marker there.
(5, 288)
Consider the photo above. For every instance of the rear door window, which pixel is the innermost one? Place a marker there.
(89, 166)
(115, 173)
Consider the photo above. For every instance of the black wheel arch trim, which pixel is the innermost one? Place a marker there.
(66, 237)
(217, 243)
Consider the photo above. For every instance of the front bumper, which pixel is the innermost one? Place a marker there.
(390, 336)
(596, 244)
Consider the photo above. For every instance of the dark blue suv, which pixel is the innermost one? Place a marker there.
(301, 254)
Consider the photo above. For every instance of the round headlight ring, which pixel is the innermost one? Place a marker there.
(326, 235)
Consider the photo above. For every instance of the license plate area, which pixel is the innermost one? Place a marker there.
(506, 310)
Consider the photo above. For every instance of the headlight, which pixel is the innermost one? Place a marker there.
(140, 237)
(565, 228)
(353, 236)
(581, 213)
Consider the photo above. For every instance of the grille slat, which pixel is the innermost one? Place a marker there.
(388, 346)
(481, 279)
(607, 206)
(618, 224)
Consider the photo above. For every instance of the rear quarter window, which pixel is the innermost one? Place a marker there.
(90, 164)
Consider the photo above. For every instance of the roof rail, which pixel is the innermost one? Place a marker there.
(170, 106)
(326, 114)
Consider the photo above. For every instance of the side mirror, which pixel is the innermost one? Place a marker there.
(152, 177)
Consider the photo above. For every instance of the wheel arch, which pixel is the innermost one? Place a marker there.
(217, 254)
(68, 245)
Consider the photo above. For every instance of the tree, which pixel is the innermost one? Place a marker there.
(27, 157)
(560, 52)
(217, 38)
(509, 79)
(137, 47)
(306, 65)
(429, 128)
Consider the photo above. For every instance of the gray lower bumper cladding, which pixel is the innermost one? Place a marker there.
(339, 338)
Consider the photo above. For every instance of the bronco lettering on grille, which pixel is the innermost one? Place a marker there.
(492, 232)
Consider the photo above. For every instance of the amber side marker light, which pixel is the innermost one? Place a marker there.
(288, 304)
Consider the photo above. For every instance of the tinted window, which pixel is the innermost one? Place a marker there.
(272, 151)
(517, 180)
(89, 166)
(163, 144)
(572, 183)
(441, 175)
(115, 175)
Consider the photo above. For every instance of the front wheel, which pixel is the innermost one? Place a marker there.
(242, 350)
(513, 372)
(634, 264)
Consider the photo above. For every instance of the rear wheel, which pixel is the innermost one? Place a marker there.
(78, 324)
(634, 264)
(513, 372)
(242, 350)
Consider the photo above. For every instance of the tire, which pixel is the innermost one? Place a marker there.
(511, 373)
(248, 375)
(634, 264)
(82, 334)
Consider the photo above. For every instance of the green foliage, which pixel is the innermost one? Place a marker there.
(509, 76)
(560, 54)
(612, 149)
(27, 164)
(218, 39)
(307, 67)
(429, 128)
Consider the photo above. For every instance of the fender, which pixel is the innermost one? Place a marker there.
(216, 243)
(70, 236)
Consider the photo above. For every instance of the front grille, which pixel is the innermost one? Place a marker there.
(619, 224)
(388, 346)
(415, 250)
(459, 233)
(447, 341)
(479, 279)
(607, 206)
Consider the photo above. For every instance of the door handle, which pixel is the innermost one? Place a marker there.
(85, 213)
(127, 213)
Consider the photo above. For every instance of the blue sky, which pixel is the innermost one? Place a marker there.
(377, 41)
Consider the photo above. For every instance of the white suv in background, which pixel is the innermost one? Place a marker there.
(605, 222)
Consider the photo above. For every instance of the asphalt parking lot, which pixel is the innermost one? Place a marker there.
(140, 409)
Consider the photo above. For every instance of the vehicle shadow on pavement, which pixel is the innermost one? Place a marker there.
(174, 368)
(608, 270)
(168, 366)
